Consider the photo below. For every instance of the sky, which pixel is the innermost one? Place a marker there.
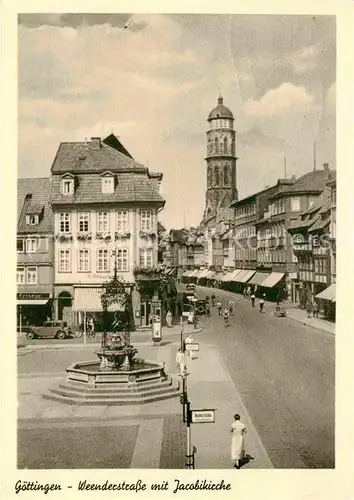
(154, 82)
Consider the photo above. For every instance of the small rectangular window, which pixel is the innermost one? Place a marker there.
(102, 222)
(31, 275)
(20, 276)
(32, 220)
(146, 257)
(108, 185)
(20, 245)
(64, 222)
(65, 261)
(146, 220)
(84, 225)
(122, 221)
(67, 186)
(84, 260)
(102, 260)
(31, 245)
(122, 259)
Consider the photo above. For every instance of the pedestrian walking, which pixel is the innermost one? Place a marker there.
(261, 304)
(253, 299)
(218, 306)
(249, 292)
(315, 310)
(245, 293)
(226, 316)
(231, 306)
(169, 319)
(309, 309)
(213, 300)
(207, 310)
(180, 363)
(238, 430)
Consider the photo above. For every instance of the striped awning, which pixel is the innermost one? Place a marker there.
(194, 273)
(328, 294)
(89, 299)
(33, 302)
(186, 274)
(228, 276)
(210, 275)
(272, 280)
(238, 277)
(258, 278)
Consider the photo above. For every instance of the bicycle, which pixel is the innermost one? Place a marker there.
(79, 332)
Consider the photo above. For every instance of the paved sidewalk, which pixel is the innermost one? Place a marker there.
(293, 312)
(211, 387)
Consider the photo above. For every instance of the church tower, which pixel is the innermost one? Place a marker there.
(220, 159)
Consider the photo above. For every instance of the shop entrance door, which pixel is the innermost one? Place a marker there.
(145, 309)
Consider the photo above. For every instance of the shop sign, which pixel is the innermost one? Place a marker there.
(33, 296)
(202, 416)
(192, 346)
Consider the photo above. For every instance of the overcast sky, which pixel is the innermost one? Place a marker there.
(154, 83)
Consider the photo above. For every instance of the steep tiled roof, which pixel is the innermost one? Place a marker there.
(81, 157)
(314, 181)
(131, 187)
(320, 223)
(39, 188)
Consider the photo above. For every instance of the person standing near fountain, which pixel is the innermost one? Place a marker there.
(169, 319)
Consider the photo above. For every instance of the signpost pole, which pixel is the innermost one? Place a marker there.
(182, 333)
(189, 455)
(84, 327)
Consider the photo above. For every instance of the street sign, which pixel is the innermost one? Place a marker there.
(192, 346)
(202, 416)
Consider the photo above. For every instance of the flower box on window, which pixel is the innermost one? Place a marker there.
(84, 236)
(147, 234)
(103, 236)
(143, 273)
(64, 237)
(122, 235)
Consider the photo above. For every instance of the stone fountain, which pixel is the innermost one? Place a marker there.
(117, 377)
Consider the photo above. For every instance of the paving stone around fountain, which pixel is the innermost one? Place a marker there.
(89, 384)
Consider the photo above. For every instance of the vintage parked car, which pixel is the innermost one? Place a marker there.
(56, 329)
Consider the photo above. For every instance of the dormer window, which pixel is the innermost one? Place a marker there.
(67, 186)
(107, 180)
(32, 220)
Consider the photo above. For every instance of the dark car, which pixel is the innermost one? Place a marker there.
(56, 329)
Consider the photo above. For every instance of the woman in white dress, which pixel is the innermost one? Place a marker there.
(238, 430)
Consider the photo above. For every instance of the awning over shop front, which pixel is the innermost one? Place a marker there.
(186, 274)
(32, 302)
(245, 276)
(89, 300)
(218, 276)
(210, 275)
(328, 294)
(238, 277)
(227, 276)
(203, 273)
(194, 273)
(258, 278)
(272, 280)
(235, 273)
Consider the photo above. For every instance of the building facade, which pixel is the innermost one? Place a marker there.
(220, 159)
(275, 250)
(34, 252)
(105, 212)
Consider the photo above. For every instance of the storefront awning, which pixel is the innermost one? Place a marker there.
(202, 273)
(227, 276)
(272, 280)
(245, 276)
(328, 294)
(194, 273)
(32, 302)
(235, 273)
(89, 300)
(238, 277)
(258, 278)
(210, 275)
(186, 274)
(219, 276)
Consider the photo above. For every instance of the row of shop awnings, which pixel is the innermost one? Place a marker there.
(89, 300)
(328, 294)
(249, 276)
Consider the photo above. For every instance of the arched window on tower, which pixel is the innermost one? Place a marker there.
(216, 144)
(217, 178)
(209, 147)
(226, 176)
(225, 146)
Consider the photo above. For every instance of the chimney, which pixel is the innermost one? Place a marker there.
(95, 143)
(326, 171)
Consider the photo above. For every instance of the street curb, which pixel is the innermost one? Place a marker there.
(240, 299)
(318, 328)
